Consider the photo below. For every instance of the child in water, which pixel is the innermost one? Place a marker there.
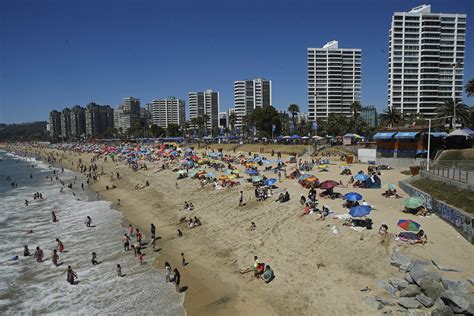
(94, 259)
(119, 270)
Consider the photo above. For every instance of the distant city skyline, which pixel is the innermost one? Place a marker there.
(55, 55)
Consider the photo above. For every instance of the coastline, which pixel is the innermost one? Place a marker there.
(314, 267)
(206, 293)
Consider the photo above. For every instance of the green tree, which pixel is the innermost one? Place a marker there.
(294, 109)
(263, 119)
(173, 130)
(470, 88)
(391, 118)
(304, 128)
(463, 114)
(157, 131)
(338, 124)
(232, 120)
(204, 121)
(356, 108)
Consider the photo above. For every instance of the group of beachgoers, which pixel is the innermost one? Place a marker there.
(260, 270)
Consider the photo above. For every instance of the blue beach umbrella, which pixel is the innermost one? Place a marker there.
(270, 182)
(360, 210)
(251, 171)
(361, 177)
(352, 196)
(210, 175)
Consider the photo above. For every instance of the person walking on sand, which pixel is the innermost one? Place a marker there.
(152, 231)
(183, 260)
(167, 271)
(241, 198)
(118, 203)
(55, 258)
(70, 275)
(177, 279)
(130, 230)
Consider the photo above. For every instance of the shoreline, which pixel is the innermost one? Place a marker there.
(314, 266)
(206, 293)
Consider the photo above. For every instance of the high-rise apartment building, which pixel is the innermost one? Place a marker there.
(369, 115)
(168, 111)
(206, 102)
(55, 124)
(78, 121)
(65, 123)
(99, 118)
(334, 77)
(426, 59)
(127, 113)
(250, 94)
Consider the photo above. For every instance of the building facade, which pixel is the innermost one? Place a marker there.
(206, 102)
(99, 118)
(334, 78)
(127, 113)
(369, 115)
(426, 60)
(66, 123)
(249, 95)
(168, 111)
(223, 120)
(55, 124)
(78, 121)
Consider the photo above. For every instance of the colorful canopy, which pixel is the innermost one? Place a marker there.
(353, 196)
(361, 177)
(408, 225)
(251, 171)
(360, 210)
(328, 184)
(414, 202)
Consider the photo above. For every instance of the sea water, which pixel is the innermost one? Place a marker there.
(28, 287)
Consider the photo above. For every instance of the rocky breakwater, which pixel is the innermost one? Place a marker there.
(421, 290)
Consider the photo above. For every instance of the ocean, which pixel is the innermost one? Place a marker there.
(29, 287)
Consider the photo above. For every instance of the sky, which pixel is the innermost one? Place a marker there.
(60, 53)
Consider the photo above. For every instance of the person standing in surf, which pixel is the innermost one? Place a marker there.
(39, 254)
(88, 221)
(60, 245)
(53, 215)
(55, 258)
(70, 275)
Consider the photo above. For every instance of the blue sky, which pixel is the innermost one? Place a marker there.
(59, 53)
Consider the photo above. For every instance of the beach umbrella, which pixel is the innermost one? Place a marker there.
(408, 225)
(322, 166)
(278, 161)
(414, 202)
(311, 179)
(228, 171)
(266, 161)
(181, 171)
(328, 184)
(389, 186)
(360, 210)
(353, 196)
(257, 178)
(236, 171)
(270, 182)
(361, 177)
(231, 177)
(210, 175)
(251, 171)
(304, 176)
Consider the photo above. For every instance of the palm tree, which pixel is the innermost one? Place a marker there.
(204, 120)
(293, 109)
(356, 107)
(391, 117)
(232, 120)
(470, 88)
(447, 109)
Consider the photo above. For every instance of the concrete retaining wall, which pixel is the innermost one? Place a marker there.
(464, 186)
(460, 220)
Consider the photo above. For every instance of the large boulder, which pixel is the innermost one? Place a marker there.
(416, 312)
(398, 283)
(408, 278)
(417, 272)
(454, 285)
(425, 300)
(410, 291)
(385, 301)
(442, 311)
(400, 261)
(431, 286)
(372, 302)
(409, 303)
(459, 302)
(471, 280)
(387, 287)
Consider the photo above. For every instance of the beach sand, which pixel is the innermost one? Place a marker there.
(317, 272)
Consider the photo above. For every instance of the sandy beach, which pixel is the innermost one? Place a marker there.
(317, 272)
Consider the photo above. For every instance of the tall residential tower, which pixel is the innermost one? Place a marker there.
(168, 111)
(249, 95)
(425, 59)
(333, 80)
(206, 102)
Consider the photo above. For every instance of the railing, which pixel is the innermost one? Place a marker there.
(450, 173)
